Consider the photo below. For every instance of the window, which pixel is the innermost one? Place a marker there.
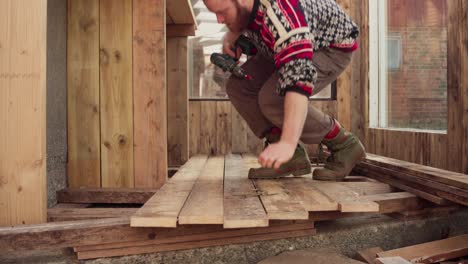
(205, 80)
(408, 64)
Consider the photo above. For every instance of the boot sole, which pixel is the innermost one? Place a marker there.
(295, 173)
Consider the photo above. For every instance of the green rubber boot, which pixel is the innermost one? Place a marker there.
(297, 166)
(346, 151)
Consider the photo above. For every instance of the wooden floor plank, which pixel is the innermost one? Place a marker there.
(391, 260)
(368, 188)
(312, 199)
(276, 198)
(369, 254)
(343, 194)
(437, 250)
(163, 208)
(105, 195)
(205, 203)
(242, 206)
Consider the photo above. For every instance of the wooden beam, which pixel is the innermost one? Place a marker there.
(181, 12)
(177, 101)
(84, 145)
(116, 94)
(368, 255)
(149, 93)
(242, 207)
(73, 214)
(23, 27)
(388, 202)
(105, 195)
(164, 207)
(181, 30)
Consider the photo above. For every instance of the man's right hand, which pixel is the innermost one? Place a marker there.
(228, 45)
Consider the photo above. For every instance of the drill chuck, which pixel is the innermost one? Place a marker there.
(227, 63)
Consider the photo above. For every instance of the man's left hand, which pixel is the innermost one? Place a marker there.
(276, 154)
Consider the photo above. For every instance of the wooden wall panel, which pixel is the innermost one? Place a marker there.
(177, 101)
(116, 93)
(215, 127)
(23, 26)
(84, 157)
(149, 91)
(464, 79)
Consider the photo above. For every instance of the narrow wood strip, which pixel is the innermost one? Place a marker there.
(193, 244)
(368, 188)
(205, 203)
(242, 206)
(181, 30)
(162, 209)
(105, 195)
(388, 202)
(313, 200)
(73, 214)
(391, 260)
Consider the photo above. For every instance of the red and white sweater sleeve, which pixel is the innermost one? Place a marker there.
(287, 33)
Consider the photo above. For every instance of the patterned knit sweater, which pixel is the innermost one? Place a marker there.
(289, 31)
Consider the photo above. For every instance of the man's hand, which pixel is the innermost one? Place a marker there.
(228, 45)
(276, 154)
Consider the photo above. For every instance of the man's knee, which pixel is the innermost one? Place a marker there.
(232, 87)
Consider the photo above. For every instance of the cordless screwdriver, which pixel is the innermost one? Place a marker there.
(227, 63)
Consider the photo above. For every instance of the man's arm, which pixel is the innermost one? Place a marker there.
(295, 112)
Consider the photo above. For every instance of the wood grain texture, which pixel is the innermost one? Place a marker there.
(182, 30)
(74, 214)
(242, 207)
(205, 202)
(116, 93)
(149, 93)
(83, 106)
(208, 128)
(177, 101)
(223, 128)
(345, 197)
(164, 207)
(23, 195)
(464, 80)
(105, 195)
(181, 12)
(239, 132)
(194, 127)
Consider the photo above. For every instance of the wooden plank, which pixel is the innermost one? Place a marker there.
(403, 186)
(216, 232)
(83, 107)
(23, 51)
(116, 93)
(387, 202)
(181, 12)
(162, 209)
(73, 214)
(368, 188)
(105, 195)
(438, 175)
(194, 135)
(391, 260)
(149, 93)
(242, 207)
(312, 199)
(239, 132)
(182, 30)
(455, 114)
(177, 101)
(208, 128)
(194, 244)
(368, 255)
(223, 127)
(205, 203)
(438, 250)
(464, 79)
(345, 197)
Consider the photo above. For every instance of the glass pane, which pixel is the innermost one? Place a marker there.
(206, 80)
(416, 64)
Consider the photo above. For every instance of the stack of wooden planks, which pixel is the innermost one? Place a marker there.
(436, 185)
(431, 252)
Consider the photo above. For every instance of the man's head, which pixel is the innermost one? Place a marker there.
(234, 13)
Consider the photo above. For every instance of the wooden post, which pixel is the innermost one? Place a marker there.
(23, 25)
(177, 101)
(149, 93)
